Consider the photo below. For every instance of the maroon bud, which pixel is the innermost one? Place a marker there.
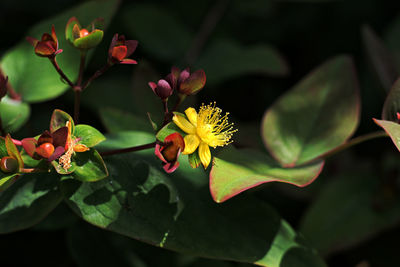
(162, 89)
(192, 84)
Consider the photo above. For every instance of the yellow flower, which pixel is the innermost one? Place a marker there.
(204, 129)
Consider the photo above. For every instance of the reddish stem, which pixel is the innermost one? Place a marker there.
(129, 149)
(60, 72)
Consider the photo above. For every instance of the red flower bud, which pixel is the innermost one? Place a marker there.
(47, 46)
(120, 49)
(169, 152)
(45, 150)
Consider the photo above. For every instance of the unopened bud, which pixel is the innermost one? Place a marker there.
(8, 164)
(45, 150)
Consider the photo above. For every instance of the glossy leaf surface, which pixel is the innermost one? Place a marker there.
(318, 114)
(28, 201)
(14, 114)
(89, 166)
(140, 201)
(88, 135)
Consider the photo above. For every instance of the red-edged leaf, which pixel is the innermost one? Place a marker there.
(392, 129)
(59, 119)
(194, 83)
(235, 171)
(317, 115)
(13, 151)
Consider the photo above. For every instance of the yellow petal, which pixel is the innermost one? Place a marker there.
(80, 148)
(184, 124)
(192, 115)
(204, 154)
(191, 143)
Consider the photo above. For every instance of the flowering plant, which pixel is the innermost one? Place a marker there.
(198, 142)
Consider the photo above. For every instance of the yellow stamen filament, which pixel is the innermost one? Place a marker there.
(212, 128)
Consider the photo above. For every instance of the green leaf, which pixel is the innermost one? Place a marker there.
(174, 211)
(349, 210)
(225, 59)
(318, 114)
(89, 166)
(13, 151)
(89, 41)
(88, 135)
(116, 120)
(60, 170)
(392, 129)
(381, 58)
(34, 77)
(168, 129)
(28, 201)
(165, 37)
(392, 103)
(235, 171)
(59, 119)
(14, 114)
(7, 179)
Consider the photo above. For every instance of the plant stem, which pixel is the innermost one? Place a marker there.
(31, 170)
(78, 87)
(129, 149)
(77, 104)
(353, 142)
(60, 72)
(16, 142)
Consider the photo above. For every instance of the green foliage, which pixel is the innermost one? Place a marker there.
(14, 114)
(89, 166)
(35, 79)
(139, 201)
(28, 201)
(88, 135)
(317, 115)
